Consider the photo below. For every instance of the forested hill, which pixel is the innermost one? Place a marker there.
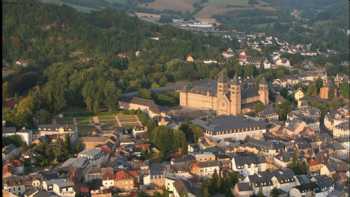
(88, 60)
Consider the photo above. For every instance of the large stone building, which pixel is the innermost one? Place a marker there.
(226, 97)
(232, 127)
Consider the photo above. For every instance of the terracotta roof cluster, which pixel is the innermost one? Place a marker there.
(123, 174)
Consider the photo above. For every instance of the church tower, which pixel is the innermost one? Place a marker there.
(263, 92)
(235, 97)
(324, 91)
(221, 84)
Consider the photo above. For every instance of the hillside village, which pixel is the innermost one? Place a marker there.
(265, 118)
(262, 152)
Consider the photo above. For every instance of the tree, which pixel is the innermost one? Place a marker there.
(261, 194)
(205, 189)
(5, 91)
(22, 115)
(13, 139)
(142, 194)
(298, 166)
(191, 131)
(180, 141)
(345, 90)
(43, 116)
(283, 109)
(144, 93)
(259, 106)
(274, 192)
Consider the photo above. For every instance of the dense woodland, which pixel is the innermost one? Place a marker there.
(89, 59)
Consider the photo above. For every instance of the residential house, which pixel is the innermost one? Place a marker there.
(242, 190)
(269, 113)
(314, 166)
(201, 157)
(337, 121)
(144, 105)
(124, 180)
(206, 168)
(233, 127)
(155, 175)
(318, 186)
(96, 156)
(93, 174)
(183, 188)
(25, 134)
(99, 193)
(14, 185)
(95, 141)
(108, 180)
(189, 58)
(57, 131)
(283, 179)
(63, 187)
(309, 115)
(228, 53)
(248, 163)
(10, 151)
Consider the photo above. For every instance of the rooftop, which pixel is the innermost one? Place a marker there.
(222, 123)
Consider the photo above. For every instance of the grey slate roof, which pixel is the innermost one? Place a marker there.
(244, 158)
(8, 129)
(248, 88)
(222, 123)
(244, 187)
(43, 193)
(264, 178)
(344, 125)
(324, 182)
(269, 110)
(157, 168)
(308, 187)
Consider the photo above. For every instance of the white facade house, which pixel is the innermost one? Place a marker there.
(107, 183)
(248, 164)
(283, 179)
(26, 135)
(337, 122)
(16, 189)
(63, 188)
(205, 169)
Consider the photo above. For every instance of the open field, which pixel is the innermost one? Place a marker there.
(124, 120)
(176, 5)
(226, 2)
(220, 7)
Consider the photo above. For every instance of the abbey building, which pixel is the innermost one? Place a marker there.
(226, 97)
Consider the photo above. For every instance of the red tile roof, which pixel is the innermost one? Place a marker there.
(313, 162)
(122, 174)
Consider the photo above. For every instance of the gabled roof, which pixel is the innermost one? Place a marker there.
(207, 164)
(243, 159)
(222, 123)
(146, 102)
(122, 174)
(244, 187)
(265, 178)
